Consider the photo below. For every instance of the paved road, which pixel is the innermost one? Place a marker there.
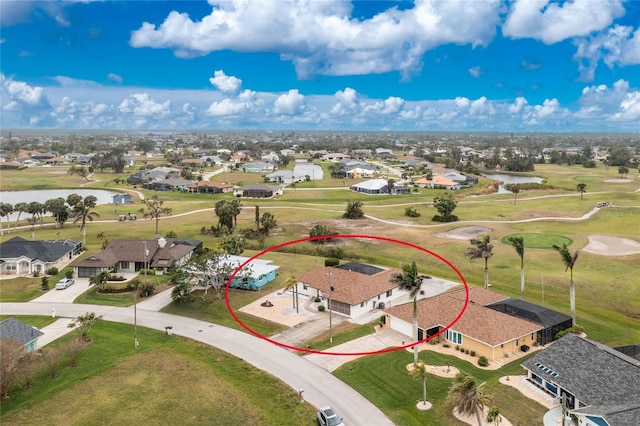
(320, 387)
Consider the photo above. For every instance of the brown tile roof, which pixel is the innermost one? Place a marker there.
(349, 286)
(479, 295)
(486, 325)
(210, 183)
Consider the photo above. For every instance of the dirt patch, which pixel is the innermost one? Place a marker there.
(463, 233)
(618, 180)
(612, 246)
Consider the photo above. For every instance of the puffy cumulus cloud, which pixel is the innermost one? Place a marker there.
(141, 105)
(321, 37)
(552, 22)
(228, 85)
(87, 115)
(619, 45)
(291, 103)
(347, 102)
(22, 104)
(618, 103)
(247, 101)
(391, 105)
(517, 106)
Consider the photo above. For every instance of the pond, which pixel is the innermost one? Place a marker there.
(41, 195)
(506, 179)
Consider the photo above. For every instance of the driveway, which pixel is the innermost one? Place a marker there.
(320, 387)
(68, 295)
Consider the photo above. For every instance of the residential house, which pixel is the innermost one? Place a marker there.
(257, 191)
(171, 184)
(155, 174)
(253, 275)
(214, 159)
(193, 162)
(371, 187)
(122, 199)
(258, 167)
(27, 162)
(380, 151)
(485, 331)
(599, 385)
(209, 187)
(334, 156)
(10, 165)
(13, 328)
(357, 288)
(132, 255)
(23, 257)
(439, 182)
(285, 177)
(55, 161)
(311, 171)
(270, 158)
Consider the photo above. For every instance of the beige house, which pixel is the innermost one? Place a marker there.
(485, 331)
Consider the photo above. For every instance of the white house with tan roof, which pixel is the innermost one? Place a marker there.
(357, 288)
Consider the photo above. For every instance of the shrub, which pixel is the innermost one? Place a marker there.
(146, 290)
(321, 308)
(332, 261)
(457, 347)
(483, 361)
(69, 273)
(411, 212)
(446, 345)
(383, 319)
(52, 271)
(576, 329)
(44, 283)
(466, 351)
(472, 353)
(36, 274)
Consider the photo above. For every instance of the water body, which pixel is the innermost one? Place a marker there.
(507, 179)
(41, 195)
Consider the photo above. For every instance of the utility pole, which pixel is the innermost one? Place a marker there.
(330, 275)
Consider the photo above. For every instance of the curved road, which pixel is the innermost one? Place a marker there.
(320, 387)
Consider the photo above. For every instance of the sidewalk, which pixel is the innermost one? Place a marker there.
(157, 301)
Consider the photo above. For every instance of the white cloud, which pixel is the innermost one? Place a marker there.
(115, 77)
(141, 104)
(23, 103)
(321, 37)
(229, 85)
(618, 103)
(474, 72)
(517, 105)
(619, 45)
(65, 81)
(552, 22)
(347, 102)
(291, 103)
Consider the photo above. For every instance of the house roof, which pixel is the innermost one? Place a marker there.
(210, 183)
(349, 286)
(258, 187)
(255, 268)
(13, 328)
(478, 322)
(615, 415)
(44, 250)
(539, 314)
(595, 373)
(371, 184)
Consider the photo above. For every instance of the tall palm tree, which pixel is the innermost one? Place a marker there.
(516, 190)
(410, 281)
(518, 245)
(20, 208)
(569, 261)
(82, 213)
(292, 284)
(100, 279)
(236, 209)
(5, 210)
(468, 396)
(420, 372)
(581, 188)
(481, 248)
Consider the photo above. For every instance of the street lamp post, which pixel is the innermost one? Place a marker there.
(330, 275)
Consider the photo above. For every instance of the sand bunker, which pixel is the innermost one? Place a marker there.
(618, 180)
(612, 246)
(464, 233)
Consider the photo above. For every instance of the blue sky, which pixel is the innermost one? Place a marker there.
(483, 65)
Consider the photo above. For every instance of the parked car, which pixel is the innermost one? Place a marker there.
(64, 283)
(328, 417)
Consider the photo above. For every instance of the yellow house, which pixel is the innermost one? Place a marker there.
(485, 331)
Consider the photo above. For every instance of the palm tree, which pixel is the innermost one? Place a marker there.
(236, 209)
(516, 190)
(5, 210)
(420, 372)
(468, 397)
(518, 245)
(292, 284)
(82, 213)
(494, 415)
(100, 280)
(581, 188)
(410, 281)
(569, 261)
(481, 248)
(19, 208)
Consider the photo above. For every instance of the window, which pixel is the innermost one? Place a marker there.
(11, 267)
(304, 286)
(517, 342)
(389, 293)
(453, 336)
(362, 304)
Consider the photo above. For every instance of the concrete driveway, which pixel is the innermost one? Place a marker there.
(68, 295)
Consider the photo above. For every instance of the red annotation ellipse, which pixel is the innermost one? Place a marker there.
(368, 237)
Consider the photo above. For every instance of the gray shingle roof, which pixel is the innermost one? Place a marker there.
(615, 415)
(46, 251)
(596, 374)
(13, 328)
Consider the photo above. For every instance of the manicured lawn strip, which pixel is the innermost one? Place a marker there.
(20, 289)
(385, 381)
(539, 240)
(32, 320)
(147, 386)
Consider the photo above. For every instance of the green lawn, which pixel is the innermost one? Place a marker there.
(116, 384)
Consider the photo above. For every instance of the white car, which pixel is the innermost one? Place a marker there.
(328, 417)
(64, 283)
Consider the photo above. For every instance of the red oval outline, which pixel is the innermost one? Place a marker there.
(370, 237)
